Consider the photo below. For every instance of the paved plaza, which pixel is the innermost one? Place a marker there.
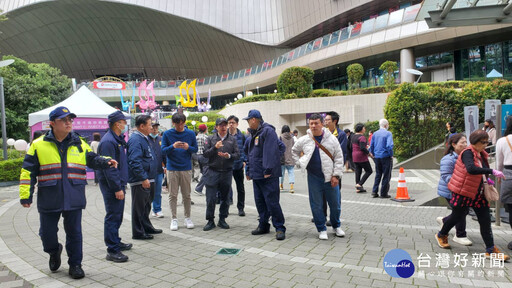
(187, 257)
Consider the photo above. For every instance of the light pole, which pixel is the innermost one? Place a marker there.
(2, 103)
(258, 90)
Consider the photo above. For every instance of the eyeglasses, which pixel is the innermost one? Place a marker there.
(66, 120)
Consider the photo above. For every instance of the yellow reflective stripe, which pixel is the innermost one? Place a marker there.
(76, 165)
(24, 188)
(77, 176)
(49, 166)
(49, 177)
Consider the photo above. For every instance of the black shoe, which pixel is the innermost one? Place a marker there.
(280, 235)
(360, 189)
(241, 213)
(125, 246)
(375, 195)
(143, 237)
(154, 231)
(509, 246)
(76, 272)
(54, 262)
(260, 231)
(328, 223)
(385, 196)
(222, 224)
(117, 257)
(191, 202)
(313, 220)
(209, 226)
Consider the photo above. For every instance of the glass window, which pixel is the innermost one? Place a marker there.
(344, 34)
(421, 62)
(411, 12)
(367, 26)
(207, 81)
(381, 22)
(493, 60)
(317, 43)
(231, 75)
(235, 74)
(242, 73)
(310, 46)
(396, 17)
(356, 29)
(218, 78)
(476, 63)
(296, 53)
(274, 62)
(303, 49)
(258, 68)
(507, 59)
(335, 36)
(325, 40)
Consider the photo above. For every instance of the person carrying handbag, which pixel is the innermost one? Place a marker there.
(467, 187)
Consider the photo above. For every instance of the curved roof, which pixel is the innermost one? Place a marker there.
(88, 38)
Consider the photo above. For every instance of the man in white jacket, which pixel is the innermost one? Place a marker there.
(323, 159)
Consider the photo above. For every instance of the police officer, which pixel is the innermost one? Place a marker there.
(113, 184)
(264, 168)
(57, 163)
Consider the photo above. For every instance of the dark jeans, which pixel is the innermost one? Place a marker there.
(73, 228)
(460, 227)
(484, 219)
(382, 171)
(114, 209)
(238, 175)
(141, 206)
(217, 181)
(359, 169)
(266, 197)
(319, 190)
(509, 210)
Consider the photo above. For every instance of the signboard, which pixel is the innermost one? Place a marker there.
(490, 109)
(109, 85)
(470, 119)
(506, 111)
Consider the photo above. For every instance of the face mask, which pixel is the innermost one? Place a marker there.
(153, 135)
(125, 129)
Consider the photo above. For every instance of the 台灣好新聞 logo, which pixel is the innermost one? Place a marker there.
(398, 264)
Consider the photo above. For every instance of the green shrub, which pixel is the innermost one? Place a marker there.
(212, 116)
(296, 80)
(209, 124)
(389, 68)
(371, 126)
(355, 73)
(257, 98)
(10, 169)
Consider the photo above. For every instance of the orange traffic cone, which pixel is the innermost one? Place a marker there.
(401, 191)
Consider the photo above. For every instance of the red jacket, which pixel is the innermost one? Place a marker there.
(462, 182)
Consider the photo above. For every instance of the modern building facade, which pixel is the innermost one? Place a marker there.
(232, 46)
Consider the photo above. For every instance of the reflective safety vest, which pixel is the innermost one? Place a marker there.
(60, 175)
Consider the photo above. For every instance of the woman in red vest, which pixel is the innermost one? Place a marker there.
(466, 186)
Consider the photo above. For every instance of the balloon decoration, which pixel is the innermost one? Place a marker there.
(204, 119)
(148, 102)
(10, 141)
(188, 103)
(20, 145)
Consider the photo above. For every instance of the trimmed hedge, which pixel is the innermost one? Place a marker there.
(297, 80)
(10, 169)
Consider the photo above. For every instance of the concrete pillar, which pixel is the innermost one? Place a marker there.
(407, 61)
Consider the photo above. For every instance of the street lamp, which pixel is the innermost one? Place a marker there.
(258, 90)
(2, 103)
(194, 124)
(415, 72)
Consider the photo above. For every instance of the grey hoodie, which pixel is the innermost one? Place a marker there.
(287, 139)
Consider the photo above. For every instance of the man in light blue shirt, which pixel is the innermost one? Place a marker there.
(382, 149)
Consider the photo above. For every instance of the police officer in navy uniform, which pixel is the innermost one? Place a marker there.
(57, 163)
(264, 168)
(113, 184)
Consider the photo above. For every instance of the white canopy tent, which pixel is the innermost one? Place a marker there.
(83, 103)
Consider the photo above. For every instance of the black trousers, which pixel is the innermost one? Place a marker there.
(359, 169)
(72, 226)
(238, 175)
(217, 181)
(484, 219)
(141, 207)
(114, 209)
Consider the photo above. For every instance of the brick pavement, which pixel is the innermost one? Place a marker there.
(187, 257)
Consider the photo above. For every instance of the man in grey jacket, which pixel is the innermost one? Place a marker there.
(323, 159)
(221, 149)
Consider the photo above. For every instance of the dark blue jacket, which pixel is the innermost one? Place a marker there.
(179, 159)
(263, 152)
(141, 162)
(240, 139)
(114, 147)
(157, 151)
(342, 138)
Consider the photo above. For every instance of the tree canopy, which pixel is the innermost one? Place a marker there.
(30, 87)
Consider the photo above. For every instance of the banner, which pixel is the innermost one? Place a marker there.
(470, 119)
(109, 85)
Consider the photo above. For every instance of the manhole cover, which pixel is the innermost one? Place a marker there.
(228, 251)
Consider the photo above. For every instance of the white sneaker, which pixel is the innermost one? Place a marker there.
(440, 221)
(159, 214)
(153, 214)
(174, 224)
(462, 240)
(339, 232)
(323, 235)
(188, 223)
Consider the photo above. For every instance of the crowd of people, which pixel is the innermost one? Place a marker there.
(57, 161)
